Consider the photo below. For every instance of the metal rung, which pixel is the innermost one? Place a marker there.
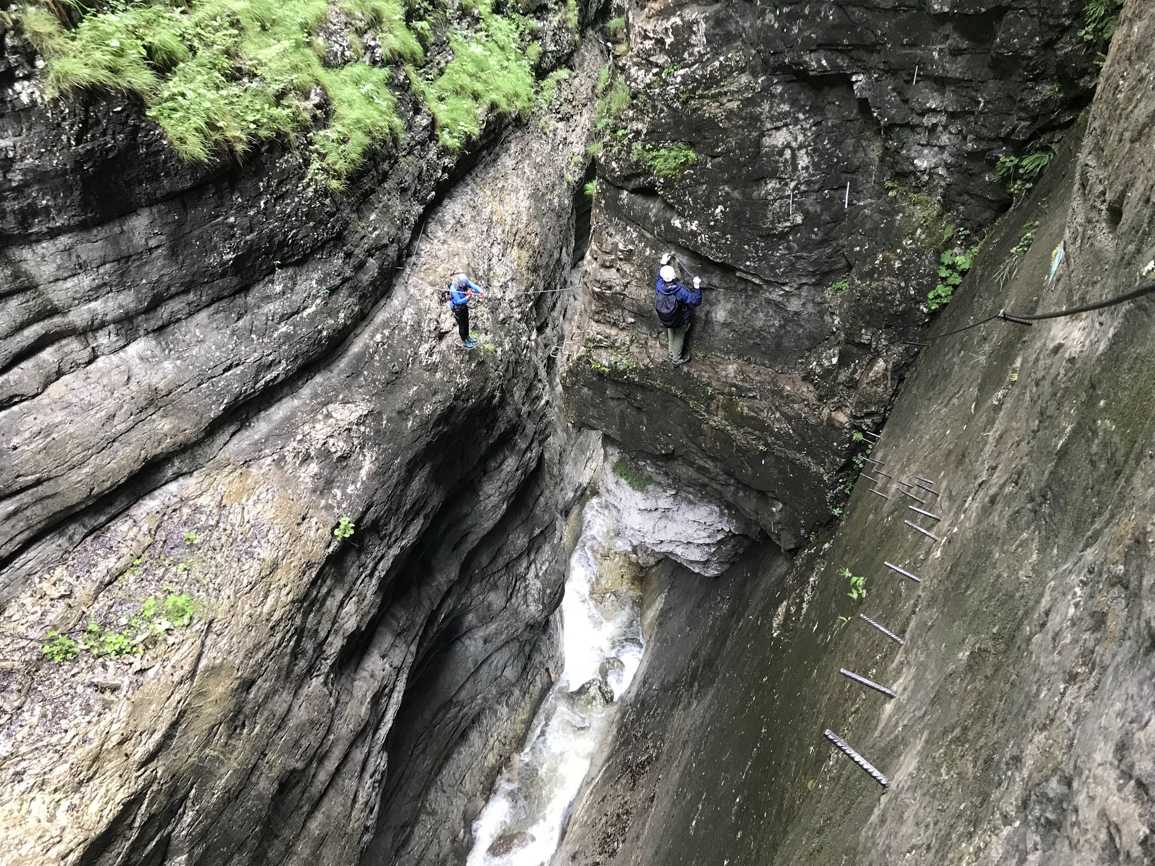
(872, 460)
(870, 684)
(924, 513)
(872, 478)
(885, 631)
(862, 763)
(922, 488)
(884, 474)
(918, 528)
(880, 493)
(924, 480)
(900, 570)
(912, 496)
(874, 436)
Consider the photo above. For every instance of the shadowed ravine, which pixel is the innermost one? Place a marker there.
(293, 575)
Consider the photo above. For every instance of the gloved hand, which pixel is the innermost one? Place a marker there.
(666, 258)
(697, 282)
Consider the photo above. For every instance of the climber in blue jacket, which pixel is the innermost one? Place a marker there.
(675, 305)
(461, 289)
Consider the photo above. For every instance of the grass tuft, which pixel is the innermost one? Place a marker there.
(666, 161)
(224, 75)
(489, 71)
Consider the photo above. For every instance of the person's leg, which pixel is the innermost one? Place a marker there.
(678, 343)
(461, 314)
(670, 342)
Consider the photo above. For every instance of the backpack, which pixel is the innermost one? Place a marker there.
(668, 308)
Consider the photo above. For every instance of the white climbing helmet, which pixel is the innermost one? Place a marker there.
(668, 274)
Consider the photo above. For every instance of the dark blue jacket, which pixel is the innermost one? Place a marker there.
(687, 299)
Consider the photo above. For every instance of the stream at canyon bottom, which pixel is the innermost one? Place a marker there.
(523, 822)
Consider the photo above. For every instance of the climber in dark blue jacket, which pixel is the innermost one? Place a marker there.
(461, 289)
(675, 307)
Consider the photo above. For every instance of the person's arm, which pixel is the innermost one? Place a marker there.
(476, 289)
(691, 297)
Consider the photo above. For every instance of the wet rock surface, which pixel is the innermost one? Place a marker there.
(827, 137)
(202, 371)
(1022, 729)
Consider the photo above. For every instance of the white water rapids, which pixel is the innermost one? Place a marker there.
(525, 817)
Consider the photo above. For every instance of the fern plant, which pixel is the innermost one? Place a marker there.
(1019, 173)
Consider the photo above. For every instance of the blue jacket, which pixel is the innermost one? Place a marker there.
(687, 299)
(460, 297)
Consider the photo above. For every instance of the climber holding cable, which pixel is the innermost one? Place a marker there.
(675, 305)
(461, 289)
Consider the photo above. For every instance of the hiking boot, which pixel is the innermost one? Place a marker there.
(470, 343)
(677, 362)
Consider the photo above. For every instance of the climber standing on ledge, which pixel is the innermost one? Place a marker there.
(675, 306)
(461, 289)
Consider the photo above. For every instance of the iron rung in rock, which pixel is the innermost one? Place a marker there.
(862, 763)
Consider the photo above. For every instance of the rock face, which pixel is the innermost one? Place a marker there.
(655, 520)
(1022, 731)
(825, 139)
(202, 371)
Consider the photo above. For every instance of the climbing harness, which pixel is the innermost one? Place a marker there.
(1028, 320)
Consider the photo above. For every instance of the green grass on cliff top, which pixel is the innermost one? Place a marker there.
(225, 75)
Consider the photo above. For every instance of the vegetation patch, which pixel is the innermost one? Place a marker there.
(666, 162)
(155, 618)
(613, 100)
(1014, 258)
(635, 476)
(856, 584)
(840, 286)
(225, 75)
(345, 528)
(616, 28)
(929, 223)
(953, 265)
(1100, 18)
(1019, 173)
(490, 70)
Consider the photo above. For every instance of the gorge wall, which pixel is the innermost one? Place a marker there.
(1022, 729)
(837, 149)
(204, 370)
(226, 383)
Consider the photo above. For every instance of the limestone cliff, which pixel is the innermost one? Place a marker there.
(225, 387)
(809, 160)
(1022, 729)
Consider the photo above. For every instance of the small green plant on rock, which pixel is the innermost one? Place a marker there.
(840, 286)
(616, 28)
(613, 100)
(1010, 266)
(591, 189)
(1100, 17)
(635, 476)
(191, 538)
(59, 648)
(668, 162)
(857, 584)
(1019, 173)
(953, 265)
(547, 90)
(155, 617)
(344, 529)
(101, 642)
